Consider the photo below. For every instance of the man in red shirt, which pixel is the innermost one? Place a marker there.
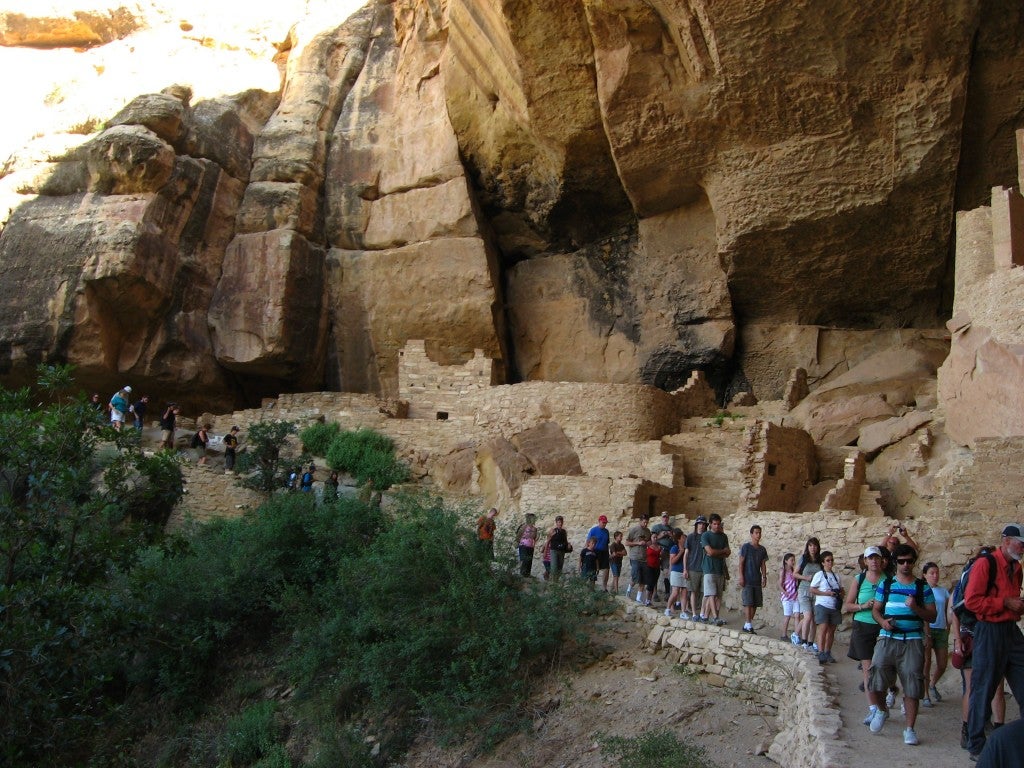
(998, 642)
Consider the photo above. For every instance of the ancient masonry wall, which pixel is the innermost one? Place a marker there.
(768, 671)
(782, 466)
(986, 490)
(438, 391)
(644, 460)
(589, 414)
(209, 494)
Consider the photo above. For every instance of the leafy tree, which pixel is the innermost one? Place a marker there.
(368, 456)
(260, 465)
(77, 501)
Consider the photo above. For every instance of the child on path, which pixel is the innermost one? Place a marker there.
(790, 603)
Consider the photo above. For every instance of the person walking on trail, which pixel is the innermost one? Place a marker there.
(230, 449)
(860, 596)
(993, 596)
(693, 567)
(903, 604)
(558, 546)
(664, 537)
(636, 544)
(485, 527)
(716, 551)
(616, 551)
(527, 535)
(119, 407)
(168, 425)
(936, 640)
(753, 576)
(602, 538)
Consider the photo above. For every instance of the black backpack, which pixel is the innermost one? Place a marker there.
(196, 442)
(966, 616)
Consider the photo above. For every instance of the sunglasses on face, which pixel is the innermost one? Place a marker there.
(905, 560)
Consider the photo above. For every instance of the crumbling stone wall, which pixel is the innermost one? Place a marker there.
(433, 389)
(768, 671)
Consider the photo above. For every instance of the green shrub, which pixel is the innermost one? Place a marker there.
(260, 466)
(68, 520)
(251, 735)
(368, 456)
(655, 749)
(316, 439)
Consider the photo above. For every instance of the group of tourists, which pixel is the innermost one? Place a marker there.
(902, 623)
(120, 408)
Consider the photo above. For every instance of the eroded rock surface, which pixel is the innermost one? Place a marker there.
(598, 190)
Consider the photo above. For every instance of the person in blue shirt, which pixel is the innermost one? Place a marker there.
(903, 604)
(602, 539)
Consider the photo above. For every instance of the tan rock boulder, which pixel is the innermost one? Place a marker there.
(872, 391)
(875, 437)
(440, 291)
(548, 450)
(501, 472)
(128, 159)
(267, 316)
(76, 24)
(980, 385)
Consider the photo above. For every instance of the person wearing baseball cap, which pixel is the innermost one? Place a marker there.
(601, 538)
(119, 407)
(860, 597)
(998, 642)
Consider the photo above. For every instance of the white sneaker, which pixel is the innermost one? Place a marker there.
(909, 737)
(878, 720)
(890, 699)
(639, 596)
(668, 613)
(629, 590)
(903, 708)
(926, 702)
(795, 639)
(684, 616)
(871, 713)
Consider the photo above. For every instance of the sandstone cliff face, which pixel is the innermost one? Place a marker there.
(595, 190)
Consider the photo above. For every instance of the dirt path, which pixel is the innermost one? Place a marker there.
(937, 728)
(629, 691)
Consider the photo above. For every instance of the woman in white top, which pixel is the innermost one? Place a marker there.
(828, 596)
(936, 638)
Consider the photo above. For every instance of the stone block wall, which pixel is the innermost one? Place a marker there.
(589, 414)
(782, 465)
(645, 460)
(209, 494)
(767, 671)
(986, 489)
(434, 389)
(580, 500)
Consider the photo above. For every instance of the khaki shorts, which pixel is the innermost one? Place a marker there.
(714, 584)
(903, 658)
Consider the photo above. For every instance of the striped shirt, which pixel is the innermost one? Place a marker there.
(906, 624)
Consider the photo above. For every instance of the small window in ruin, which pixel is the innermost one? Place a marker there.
(652, 503)
(771, 470)
(782, 487)
(442, 415)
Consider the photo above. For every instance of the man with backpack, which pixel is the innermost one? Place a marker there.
(902, 605)
(993, 596)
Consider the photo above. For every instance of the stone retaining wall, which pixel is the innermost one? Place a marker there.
(768, 671)
(210, 493)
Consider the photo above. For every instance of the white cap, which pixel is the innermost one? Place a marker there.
(126, 388)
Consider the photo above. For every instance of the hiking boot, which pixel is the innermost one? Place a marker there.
(878, 720)
(910, 737)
